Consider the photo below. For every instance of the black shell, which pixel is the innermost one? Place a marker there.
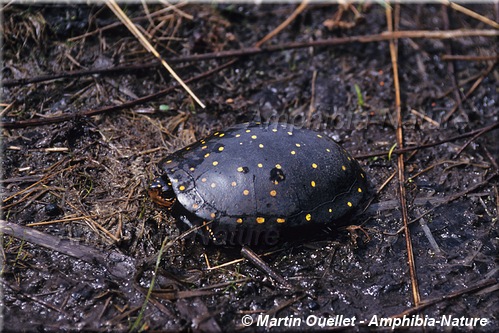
(266, 175)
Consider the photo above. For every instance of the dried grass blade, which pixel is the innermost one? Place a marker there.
(143, 40)
(401, 167)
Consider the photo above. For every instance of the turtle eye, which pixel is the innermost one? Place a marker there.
(161, 191)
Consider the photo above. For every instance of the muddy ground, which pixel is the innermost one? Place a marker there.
(81, 236)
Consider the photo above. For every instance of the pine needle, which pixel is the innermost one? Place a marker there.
(143, 40)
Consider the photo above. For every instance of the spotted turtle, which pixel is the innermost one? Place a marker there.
(260, 176)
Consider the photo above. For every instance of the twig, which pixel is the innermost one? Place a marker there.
(91, 255)
(468, 142)
(436, 202)
(472, 89)
(67, 219)
(492, 160)
(401, 177)
(106, 109)
(143, 40)
(41, 181)
(256, 260)
(450, 65)
(86, 72)
(482, 131)
(448, 57)
(273, 48)
(425, 117)
(175, 8)
(454, 197)
(480, 285)
(311, 108)
(429, 235)
(38, 300)
(284, 24)
(471, 13)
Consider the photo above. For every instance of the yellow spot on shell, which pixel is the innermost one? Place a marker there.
(220, 148)
(248, 131)
(212, 215)
(260, 165)
(260, 220)
(362, 175)
(312, 183)
(239, 220)
(273, 193)
(192, 169)
(204, 147)
(213, 185)
(319, 136)
(344, 168)
(221, 135)
(240, 169)
(202, 141)
(203, 180)
(293, 152)
(260, 145)
(238, 135)
(253, 137)
(274, 130)
(330, 210)
(187, 148)
(245, 192)
(215, 163)
(280, 220)
(233, 184)
(359, 190)
(181, 187)
(195, 206)
(308, 217)
(208, 228)
(349, 158)
(206, 155)
(278, 166)
(168, 162)
(298, 145)
(314, 165)
(328, 150)
(349, 204)
(290, 133)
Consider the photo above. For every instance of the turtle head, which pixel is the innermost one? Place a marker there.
(161, 191)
